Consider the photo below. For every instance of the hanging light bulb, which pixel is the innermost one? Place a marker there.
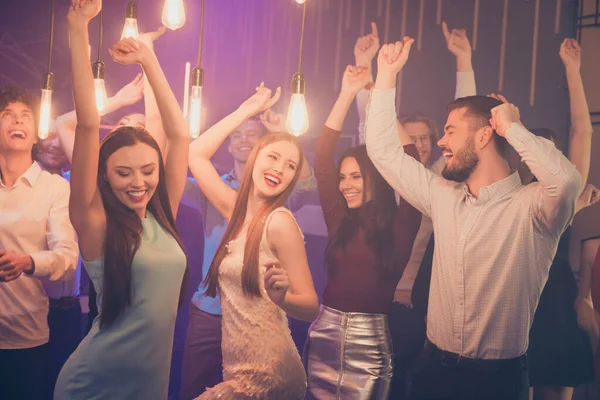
(46, 98)
(46, 106)
(195, 112)
(173, 15)
(130, 29)
(300, 1)
(296, 122)
(101, 99)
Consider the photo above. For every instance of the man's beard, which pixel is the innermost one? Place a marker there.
(465, 162)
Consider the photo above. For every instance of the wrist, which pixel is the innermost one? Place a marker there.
(572, 70)
(29, 266)
(386, 80)
(348, 94)
(464, 63)
(77, 24)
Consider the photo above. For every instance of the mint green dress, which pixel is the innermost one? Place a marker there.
(131, 359)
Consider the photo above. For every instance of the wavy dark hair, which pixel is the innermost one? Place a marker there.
(375, 217)
(124, 226)
(250, 285)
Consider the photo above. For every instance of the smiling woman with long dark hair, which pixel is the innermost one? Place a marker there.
(124, 197)
(348, 353)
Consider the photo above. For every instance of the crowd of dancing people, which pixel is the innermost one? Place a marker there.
(446, 278)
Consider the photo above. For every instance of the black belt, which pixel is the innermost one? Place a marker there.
(450, 359)
(64, 302)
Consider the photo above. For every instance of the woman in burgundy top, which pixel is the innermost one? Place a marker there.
(348, 351)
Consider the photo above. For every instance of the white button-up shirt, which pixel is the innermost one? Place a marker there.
(34, 219)
(493, 253)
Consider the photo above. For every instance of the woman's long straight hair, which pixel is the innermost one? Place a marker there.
(124, 226)
(379, 226)
(250, 284)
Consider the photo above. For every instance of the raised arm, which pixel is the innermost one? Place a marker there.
(354, 80)
(560, 183)
(404, 174)
(288, 280)
(67, 123)
(202, 149)
(580, 144)
(365, 50)
(459, 45)
(154, 123)
(85, 204)
(131, 51)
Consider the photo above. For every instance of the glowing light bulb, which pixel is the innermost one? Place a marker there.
(130, 29)
(300, 1)
(173, 15)
(296, 122)
(195, 113)
(297, 117)
(45, 108)
(101, 98)
(99, 87)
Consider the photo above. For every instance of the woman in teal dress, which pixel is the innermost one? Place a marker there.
(122, 205)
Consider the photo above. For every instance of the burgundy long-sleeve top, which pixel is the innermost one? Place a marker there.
(356, 283)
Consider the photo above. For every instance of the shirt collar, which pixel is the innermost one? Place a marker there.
(497, 189)
(30, 176)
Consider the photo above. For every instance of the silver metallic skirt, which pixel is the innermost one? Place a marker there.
(348, 356)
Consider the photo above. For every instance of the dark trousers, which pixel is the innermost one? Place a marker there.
(440, 376)
(64, 320)
(23, 373)
(407, 329)
(202, 360)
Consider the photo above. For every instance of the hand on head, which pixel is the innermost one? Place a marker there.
(504, 115)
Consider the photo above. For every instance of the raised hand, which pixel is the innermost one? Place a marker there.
(130, 51)
(355, 79)
(131, 93)
(392, 58)
(83, 10)
(149, 38)
(504, 115)
(273, 121)
(366, 47)
(276, 282)
(260, 101)
(457, 41)
(570, 53)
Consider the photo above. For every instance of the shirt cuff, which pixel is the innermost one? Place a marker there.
(43, 264)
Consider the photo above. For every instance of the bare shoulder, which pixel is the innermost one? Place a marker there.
(283, 228)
